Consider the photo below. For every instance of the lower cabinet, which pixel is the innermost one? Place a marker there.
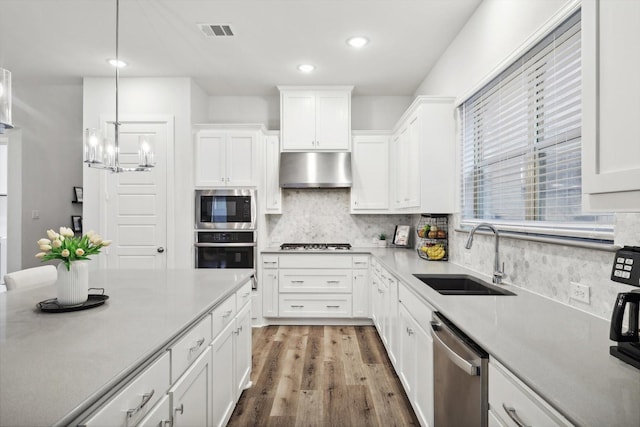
(159, 416)
(191, 402)
(415, 367)
(224, 393)
(242, 351)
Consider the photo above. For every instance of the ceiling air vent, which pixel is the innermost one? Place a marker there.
(216, 30)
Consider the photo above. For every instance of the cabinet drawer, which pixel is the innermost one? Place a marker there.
(334, 281)
(189, 347)
(360, 261)
(302, 305)
(269, 261)
(418, 309)
(510, 398)
(159, 416)
(131, 404)
(223, 314)
(315, 261)
(243, 296)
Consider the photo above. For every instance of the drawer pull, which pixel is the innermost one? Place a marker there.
(333, 306)
(410, 331)
(246, 294)
(270, 262)
(333, 281)
(227, 313)
(145, 399)
(297, 306)
(297, 281)
(360, 262)
(180, 409)
(196, 347)
(238, 330)
(514, 415)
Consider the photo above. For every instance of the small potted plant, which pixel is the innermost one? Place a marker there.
(382, 240)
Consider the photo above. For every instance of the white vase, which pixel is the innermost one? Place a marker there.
(382, 243)
(73, 284)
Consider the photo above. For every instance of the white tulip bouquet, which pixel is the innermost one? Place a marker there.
(68, 248)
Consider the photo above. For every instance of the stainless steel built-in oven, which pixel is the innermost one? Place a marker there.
(226, 249)
(226, 209)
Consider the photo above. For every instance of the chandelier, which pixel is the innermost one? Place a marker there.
(5, 100)
(104, 153)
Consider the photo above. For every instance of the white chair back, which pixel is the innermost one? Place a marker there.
(31, 277)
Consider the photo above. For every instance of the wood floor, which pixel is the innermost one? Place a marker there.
(322, 376)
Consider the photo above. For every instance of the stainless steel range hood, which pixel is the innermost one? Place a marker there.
(315, 170)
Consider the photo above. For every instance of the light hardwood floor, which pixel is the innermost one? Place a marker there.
(322, 376)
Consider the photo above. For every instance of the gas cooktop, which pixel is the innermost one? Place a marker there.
(315, 246)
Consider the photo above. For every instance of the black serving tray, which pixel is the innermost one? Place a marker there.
(52, 305)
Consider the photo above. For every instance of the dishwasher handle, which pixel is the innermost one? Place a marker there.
(466, 366)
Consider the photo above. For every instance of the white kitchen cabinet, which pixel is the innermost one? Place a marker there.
(191, 401)
(361, 304)
(187, 348)
(512, 403)
(272, 191)
(225, 157)
(269, 284)
(310, 280)
(391, 319)
(224, 392)
(242, 351)
(423, 160)
(159, 415)
(415, 367)
(611, 90)
(370, 172)
(315, 118)
(315, 305)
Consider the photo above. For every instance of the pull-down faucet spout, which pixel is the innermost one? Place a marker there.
(498, 272)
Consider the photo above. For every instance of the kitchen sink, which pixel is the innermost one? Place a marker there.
(460, 284)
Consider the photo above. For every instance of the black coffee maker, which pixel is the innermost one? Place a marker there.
(626, 269)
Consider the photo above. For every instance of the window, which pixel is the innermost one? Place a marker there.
(521, 144)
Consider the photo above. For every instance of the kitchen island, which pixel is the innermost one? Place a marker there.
(54, 366)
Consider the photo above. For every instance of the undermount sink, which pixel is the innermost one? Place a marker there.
(460, 284)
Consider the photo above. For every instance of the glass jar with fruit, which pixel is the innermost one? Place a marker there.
(433, 244)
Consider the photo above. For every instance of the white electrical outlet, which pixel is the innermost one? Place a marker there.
(579, 292)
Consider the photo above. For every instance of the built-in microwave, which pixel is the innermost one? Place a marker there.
(227, 209)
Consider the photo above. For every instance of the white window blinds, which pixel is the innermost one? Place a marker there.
(521, 144)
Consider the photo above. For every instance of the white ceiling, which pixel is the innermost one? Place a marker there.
(54, 40)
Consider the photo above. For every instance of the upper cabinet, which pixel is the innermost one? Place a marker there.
(611, 90)
(272, 192)
(370, 170)
(225, 156)
(315, 118)
(423, 157)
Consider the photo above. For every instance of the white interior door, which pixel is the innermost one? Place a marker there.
(136, 202)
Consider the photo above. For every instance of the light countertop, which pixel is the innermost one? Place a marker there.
(560, 352)
(54, 365)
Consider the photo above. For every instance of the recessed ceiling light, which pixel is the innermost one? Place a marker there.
(117, 63)
(306, 68)
(357, 41)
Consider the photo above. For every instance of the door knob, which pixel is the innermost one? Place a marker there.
(160, 249)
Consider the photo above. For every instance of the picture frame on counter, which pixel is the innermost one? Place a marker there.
(76, 223)
(401, 235)
(78, 191)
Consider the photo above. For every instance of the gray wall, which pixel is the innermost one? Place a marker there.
(50, 118)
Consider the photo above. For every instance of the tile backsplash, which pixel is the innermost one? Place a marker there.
(322, 215)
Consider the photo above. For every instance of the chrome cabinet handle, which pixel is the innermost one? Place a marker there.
(333, 306)
(197, 346)
(180, 409)
(511, 411)
(333, 281)
(297, 281)
(145, 399)
(466, 366)
(227, 313)
(246, 294)
(297, 306)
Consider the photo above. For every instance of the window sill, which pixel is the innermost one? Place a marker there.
(576, 243)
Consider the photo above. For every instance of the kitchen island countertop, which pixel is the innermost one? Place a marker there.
(560, 352)
(55, 365)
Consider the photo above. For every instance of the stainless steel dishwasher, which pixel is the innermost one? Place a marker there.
(460, 369)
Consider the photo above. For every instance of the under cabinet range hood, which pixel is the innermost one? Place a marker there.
(315, 170)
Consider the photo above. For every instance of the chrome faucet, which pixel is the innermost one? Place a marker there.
(498, 272)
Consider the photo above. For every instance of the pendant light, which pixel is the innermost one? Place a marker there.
(5, 100)
(103, 153)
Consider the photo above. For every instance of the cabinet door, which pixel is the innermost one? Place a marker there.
(412, 163)
(423, 379)
(401, 147)
(273, 193)
(269, 293)
(223, 394)
(375, 302)
(242, 351)
(191, 396)
(611, 89)
(159, 415)
(360, 293)
(298, 120)
(333, 120)
(407, 359)
(240, 162)
(210, 159)
(370, 161)
(392, 327)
